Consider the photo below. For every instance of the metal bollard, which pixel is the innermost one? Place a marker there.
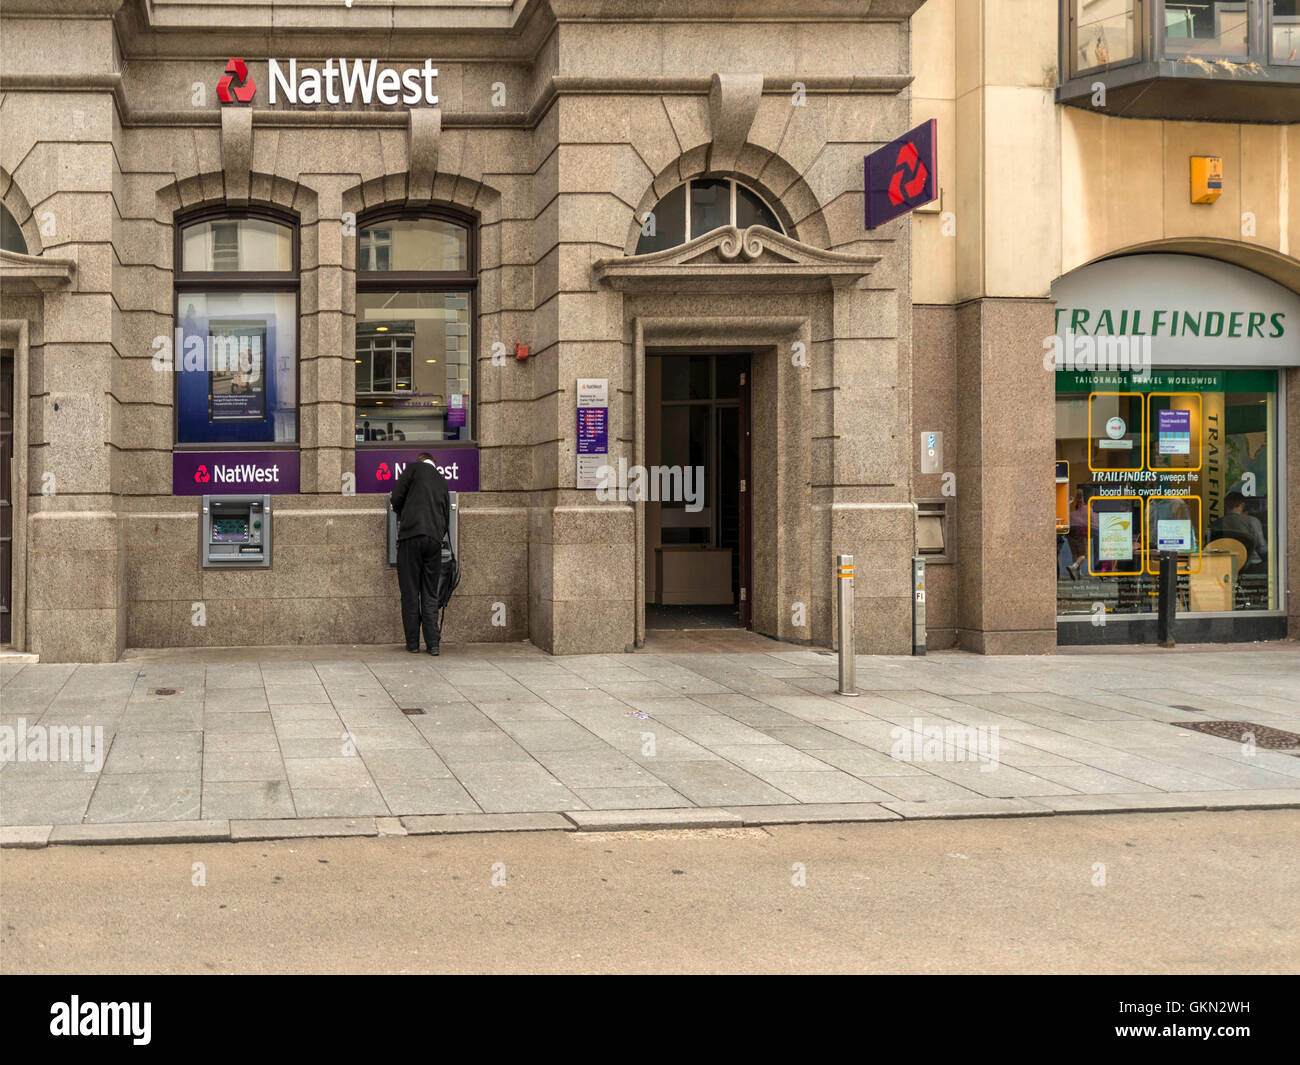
(1167, 603)
(844, 592)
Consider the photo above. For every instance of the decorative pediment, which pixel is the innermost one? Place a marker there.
(729, 260)
(20, 273)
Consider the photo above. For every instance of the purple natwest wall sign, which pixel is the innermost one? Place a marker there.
(378, 469)
(902, 176)
(200, 473)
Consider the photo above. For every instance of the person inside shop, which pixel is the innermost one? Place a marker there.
(1077, 537)
(422, 502)
(1242, 526)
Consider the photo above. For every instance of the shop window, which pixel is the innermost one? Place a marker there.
(414, 331)
(236, 307)
(11, 234)
(701, 206)
(1185, 462)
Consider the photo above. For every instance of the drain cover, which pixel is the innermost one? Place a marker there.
(411, 711)
(162, 691)
(1272, 739)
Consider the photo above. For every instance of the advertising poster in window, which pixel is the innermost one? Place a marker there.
(237, 375)
(1115, 537)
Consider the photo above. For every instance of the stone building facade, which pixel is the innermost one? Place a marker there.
(560, 126)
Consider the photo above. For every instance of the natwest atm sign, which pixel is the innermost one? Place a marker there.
(379, 468)
(902, 176)
(197, 473)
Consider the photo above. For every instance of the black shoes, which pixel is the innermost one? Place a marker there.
(433, 651)
(413, 650)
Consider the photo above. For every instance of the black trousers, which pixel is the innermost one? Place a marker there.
(419, 573)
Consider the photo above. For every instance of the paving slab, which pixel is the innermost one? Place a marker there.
(814, 813)
(302, 828)
(953, 808)
(29, 837)
(246, 799)
(628, 820)
(528, 822)
(143, 832)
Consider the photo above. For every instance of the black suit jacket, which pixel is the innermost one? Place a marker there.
(422, 501)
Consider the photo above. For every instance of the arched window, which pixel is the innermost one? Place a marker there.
(236, 341)
(11, 236)
(416, 280)
(700, 206)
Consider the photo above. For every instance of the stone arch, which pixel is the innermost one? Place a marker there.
(207, 189)
(771, 176)
(11, 195)
(1267, 262)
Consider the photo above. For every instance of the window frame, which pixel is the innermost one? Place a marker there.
(444, 281)
(1070, 39)
(262, 281)
(1270, 13)
(733, 183)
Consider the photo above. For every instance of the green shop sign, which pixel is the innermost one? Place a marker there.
(1192, 380)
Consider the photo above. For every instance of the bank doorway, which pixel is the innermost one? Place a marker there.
(698, 525)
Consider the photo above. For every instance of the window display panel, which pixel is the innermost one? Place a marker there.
(1206, 28)
(1105, 32)
(1198, 479)
(1286, 31)
(413, 367)
(236, 367)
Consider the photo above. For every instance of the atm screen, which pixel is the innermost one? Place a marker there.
(229, 530)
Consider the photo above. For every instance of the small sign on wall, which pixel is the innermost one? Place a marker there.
(592, 430)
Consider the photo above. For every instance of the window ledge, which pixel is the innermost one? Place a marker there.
(1179, 89)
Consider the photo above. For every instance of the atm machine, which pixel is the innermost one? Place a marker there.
(235, 532)
(392, 533)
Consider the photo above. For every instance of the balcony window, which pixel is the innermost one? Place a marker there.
(1199, 60)
(1210, 29)
(1106, 32)
(1284, 28)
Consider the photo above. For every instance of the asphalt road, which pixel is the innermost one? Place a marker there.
(1197, 892)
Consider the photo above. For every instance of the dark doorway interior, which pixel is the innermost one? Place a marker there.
(698, 549)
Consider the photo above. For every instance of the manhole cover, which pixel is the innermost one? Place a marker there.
(162, 691)
(1272, 739)
(411, 711)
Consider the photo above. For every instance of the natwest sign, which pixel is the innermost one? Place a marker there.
(902, 176)
(351, 80)
(379, 468)
(196, 473)
(337, 81)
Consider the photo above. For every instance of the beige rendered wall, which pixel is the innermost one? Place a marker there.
(1030, 192)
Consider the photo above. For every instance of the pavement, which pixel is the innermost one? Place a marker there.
(1201, 892)
(211, 744)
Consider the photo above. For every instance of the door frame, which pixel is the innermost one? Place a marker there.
(14, 336)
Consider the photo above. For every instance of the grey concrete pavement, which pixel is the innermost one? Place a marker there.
(338, 734)
(1151, 893)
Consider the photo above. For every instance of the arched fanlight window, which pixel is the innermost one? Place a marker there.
(701, 206)
(11, 235)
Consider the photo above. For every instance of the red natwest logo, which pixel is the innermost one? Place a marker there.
(383, 473)
(243, 88)
(201, 475)
(909, 159)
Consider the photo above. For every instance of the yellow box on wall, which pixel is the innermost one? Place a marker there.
(1207, 178)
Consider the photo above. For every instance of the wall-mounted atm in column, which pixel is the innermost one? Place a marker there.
(235, 531)
(392, 531)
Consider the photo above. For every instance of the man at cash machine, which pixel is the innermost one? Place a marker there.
(422, 502)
